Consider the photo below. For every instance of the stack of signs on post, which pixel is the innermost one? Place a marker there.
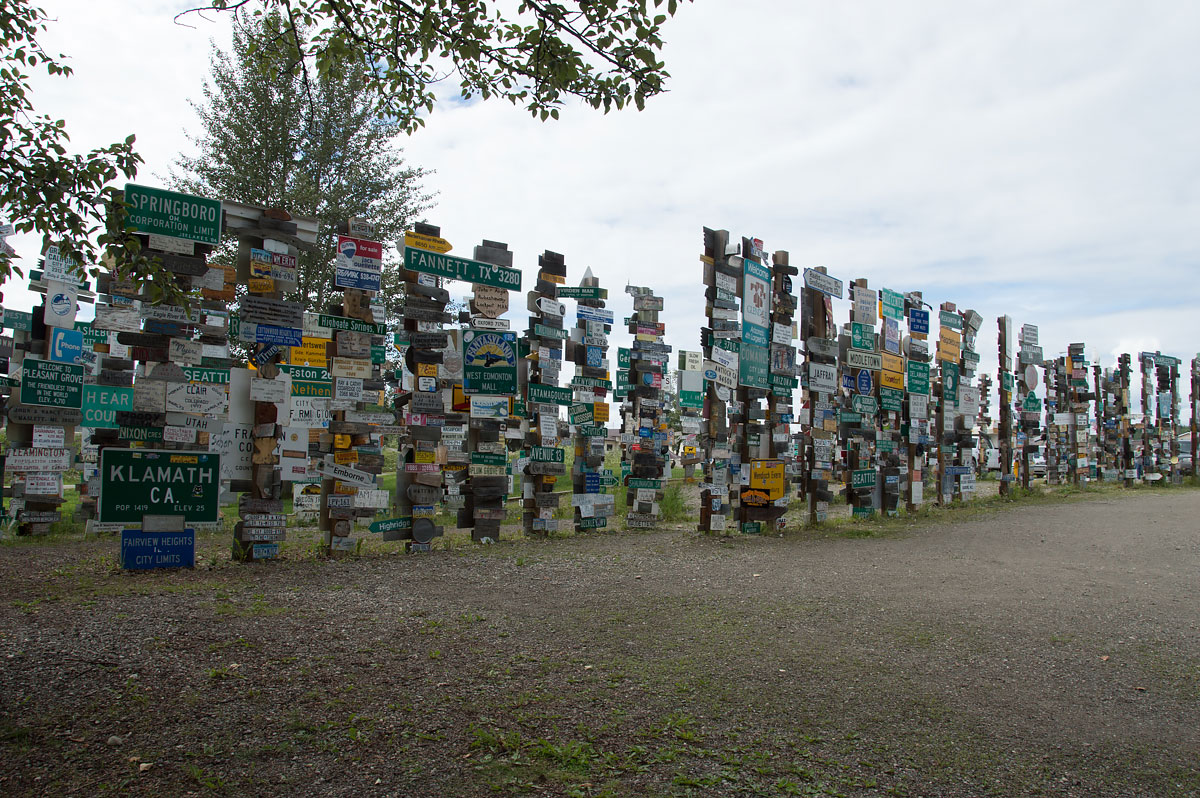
(262, 448)
(588, 413)
(1075, 373)
(949, 355)
(860, 404)
(750, 429)
(1028, 405)
(971, 401)
(720, 343)
(1057, 435)
(917, 394)
(351, 448)
(1005, 391)
(891, 440)
(542, 461)
(784, 373)
(489, 385)
(141, 348)
(821, 362)
(691, 382)
(434, 429)
(647, 453)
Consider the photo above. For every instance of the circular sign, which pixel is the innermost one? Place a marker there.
(710, 374)
(1030, 376)
(723, 393)
(423, 530)
(61, 305)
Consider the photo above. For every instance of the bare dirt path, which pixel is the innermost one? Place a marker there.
(1051, 649)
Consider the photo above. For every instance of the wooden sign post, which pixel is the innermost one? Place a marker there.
(543, 444)
(648, 453)
(719, 346)
(821, 362)
(592, 502)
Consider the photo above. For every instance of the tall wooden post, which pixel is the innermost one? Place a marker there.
(821, 370)
(718, 342)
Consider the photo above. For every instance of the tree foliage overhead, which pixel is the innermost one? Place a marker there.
(534, 53)
(264, 140)
(43, 187)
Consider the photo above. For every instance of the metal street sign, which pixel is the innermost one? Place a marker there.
(169, 213)
(101, 404)
(892, 304)
(823, 283)
(863, 360)
(142, 551)
(51, 384)
(138, 482)
(472, 271)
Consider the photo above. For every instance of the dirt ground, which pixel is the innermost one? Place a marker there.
(1046, 648)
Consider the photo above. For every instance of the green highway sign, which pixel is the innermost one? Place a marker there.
(918, 377)
(423, 261)
(891, 399)
(754, 366)
(18, 320)
(156, 211)
(51, 384)
(1031, 404)
(101, 403)
(862, 478)
(138, 482)
(352, 325)
(583, 292)
(862, 336)
(392, 524)
(546, 454)
(549, 394)
(892, 304)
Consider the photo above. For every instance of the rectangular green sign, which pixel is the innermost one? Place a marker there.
(918, 377)
(582, 292)
(891, 398)
(138, 482)
(892, 304)
(51, 384)
(423, 261)
(862, 478)
(547, 454)
(18, 320)
(754, 366)
(101, 403)
(169, 213)
(548, 394)
(206, 375)
(353, 325)
(862, 336)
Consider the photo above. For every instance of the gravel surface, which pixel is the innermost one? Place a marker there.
(1042, 648)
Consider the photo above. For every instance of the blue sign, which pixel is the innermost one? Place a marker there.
(644, 432)
(957, 471)
(595, 357)
(848, 382)
(265, 551)
(142, 551)
(918, 321)
(594, 314)
(350, 277)
(864, 381)
(66, 346)
(284, 336)
(266, 354)
(591, 483)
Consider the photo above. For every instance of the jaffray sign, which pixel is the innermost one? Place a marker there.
(134, 483)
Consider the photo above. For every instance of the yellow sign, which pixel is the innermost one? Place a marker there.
(689, 451)
(600, 412)
(311, 353)
(261, 285)
(769, 476)
(553, 278)
(893, 363)
(432, 243)
(891, 379)
(341, 441)
(947, 354)
(427, 369)
(423, 457)
(346, 458)
(950, 336)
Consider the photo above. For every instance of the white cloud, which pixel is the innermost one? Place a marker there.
(1012, 157)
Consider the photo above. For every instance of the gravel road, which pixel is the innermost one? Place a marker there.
(1051, 648)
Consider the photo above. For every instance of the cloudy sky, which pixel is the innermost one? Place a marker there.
(1030, 158)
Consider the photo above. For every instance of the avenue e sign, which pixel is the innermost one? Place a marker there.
(156, 211)
(137, 482)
